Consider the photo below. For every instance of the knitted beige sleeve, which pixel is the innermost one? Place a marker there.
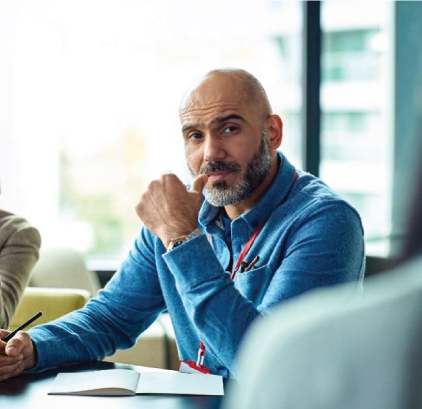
(19, 251)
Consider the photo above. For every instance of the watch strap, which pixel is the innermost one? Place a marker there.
(178, 241)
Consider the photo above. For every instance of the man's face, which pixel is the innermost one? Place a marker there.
(225, 139)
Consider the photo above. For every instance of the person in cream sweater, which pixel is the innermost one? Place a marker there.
(19, 251)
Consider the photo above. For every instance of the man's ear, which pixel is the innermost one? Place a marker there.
(274, 126)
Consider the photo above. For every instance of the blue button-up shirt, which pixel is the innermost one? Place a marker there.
(311, 238)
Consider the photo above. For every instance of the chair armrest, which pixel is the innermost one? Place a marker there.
(52, 302)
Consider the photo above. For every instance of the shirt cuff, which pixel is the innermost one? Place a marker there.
(193, 263)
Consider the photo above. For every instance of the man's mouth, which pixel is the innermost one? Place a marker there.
(218, 176)
(219, 171)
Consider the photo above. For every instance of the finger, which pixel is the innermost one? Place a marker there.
(14, 371)
(199, 183)
(170, 182)
(11, 367)
(16, 344)
(4, 333)
(6, 360)
(2, 347)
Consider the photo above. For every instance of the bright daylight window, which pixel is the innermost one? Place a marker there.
(90, 92)
(356, 101)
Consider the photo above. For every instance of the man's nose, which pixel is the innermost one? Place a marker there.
(214, 149)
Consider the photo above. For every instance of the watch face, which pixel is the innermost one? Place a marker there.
(177, 242)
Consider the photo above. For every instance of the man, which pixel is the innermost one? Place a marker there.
(192, 256)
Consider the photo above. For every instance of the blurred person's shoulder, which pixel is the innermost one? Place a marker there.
(405, 277)
(17, 229)
(329, 304)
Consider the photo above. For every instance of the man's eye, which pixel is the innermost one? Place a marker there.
(229, 129)
(195, 135)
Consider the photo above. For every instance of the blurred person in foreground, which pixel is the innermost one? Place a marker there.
(250, 233)
(325, 351)
(19, 251)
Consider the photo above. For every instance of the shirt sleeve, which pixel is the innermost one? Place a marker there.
(327, 248)
(318, 254)
(126, 307)
(19, 251)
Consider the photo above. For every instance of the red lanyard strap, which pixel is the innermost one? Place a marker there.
(250, 242)
(246, 248)
(201, 351)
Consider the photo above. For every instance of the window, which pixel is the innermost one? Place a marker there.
(349, 56)
(356, 100)
(90, 92)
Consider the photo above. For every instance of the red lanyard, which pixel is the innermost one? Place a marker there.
(250, 242)
(201, 351)
(246, 249)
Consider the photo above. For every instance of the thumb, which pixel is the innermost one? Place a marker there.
(198, 184)
(15, 345)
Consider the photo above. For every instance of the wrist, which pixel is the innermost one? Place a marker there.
(170, 232)
(179, 240)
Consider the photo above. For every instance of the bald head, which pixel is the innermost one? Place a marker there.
(237, 83)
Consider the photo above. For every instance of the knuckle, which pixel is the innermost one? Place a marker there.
(11, 374)
(21, 339)
(24, 336)
(142, 199)
(16, 342)
(169, 177)
(4, 371)
(19, 367)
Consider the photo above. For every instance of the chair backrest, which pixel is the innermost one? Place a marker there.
(321, 352)
(62, 267)
(52, 302)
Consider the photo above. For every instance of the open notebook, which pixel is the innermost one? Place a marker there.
(115, 382)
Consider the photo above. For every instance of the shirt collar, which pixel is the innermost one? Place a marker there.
(278, 191)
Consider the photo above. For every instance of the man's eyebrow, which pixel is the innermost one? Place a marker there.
(189, 127)
(222, 119)
(216, 121)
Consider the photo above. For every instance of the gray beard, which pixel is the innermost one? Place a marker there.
(257, 170)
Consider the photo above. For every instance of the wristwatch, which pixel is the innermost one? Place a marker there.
(178, 241)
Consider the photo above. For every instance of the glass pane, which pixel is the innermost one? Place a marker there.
(356, 100)
(91, 92)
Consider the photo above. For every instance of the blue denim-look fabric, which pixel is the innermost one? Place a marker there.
(312, 238)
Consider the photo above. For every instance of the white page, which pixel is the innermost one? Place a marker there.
(145, 369)
(105, 382)
(180, 384)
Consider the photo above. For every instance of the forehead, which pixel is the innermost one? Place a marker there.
(214, 99)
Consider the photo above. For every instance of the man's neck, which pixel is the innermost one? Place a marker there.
(236, 210)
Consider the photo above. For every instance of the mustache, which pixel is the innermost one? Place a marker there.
(220, 167)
